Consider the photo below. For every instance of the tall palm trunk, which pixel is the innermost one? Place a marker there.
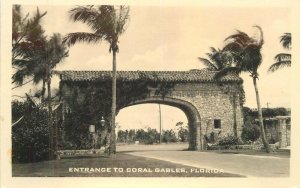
(43, 90)
(260, 117)
(113, 105)
(50, 120)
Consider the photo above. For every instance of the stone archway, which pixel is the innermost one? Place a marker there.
(192, 114)
(194, 92)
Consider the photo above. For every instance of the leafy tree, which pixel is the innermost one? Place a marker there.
(169, 136)
(250, 115)
(183, 135)
(27, 41)
(150, 136)
(246, 51)
(131, 135)
(247, 112)
(283, 59)
(140, 135)
(107, 23)
(34, 56)
(183, 132)
(123, 136)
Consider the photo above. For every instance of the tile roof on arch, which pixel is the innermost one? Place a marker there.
(156, 76)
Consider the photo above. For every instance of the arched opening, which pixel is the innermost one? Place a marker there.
(151, 126)
(191, 113)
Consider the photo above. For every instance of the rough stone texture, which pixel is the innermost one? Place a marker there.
(272, 129)
(201, 101)
(288, 133)
(211, 103)
(278, 130)
(284, 133)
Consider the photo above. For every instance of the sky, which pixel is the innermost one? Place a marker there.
(171, 38)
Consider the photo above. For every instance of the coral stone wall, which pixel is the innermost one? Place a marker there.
(213, 103)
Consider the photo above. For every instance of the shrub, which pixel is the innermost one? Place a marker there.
(152, 136)
(30, 135)
(229, 140)
(183, 135)
(169, 136)
(77, 133)
(149, 137)
(250, 132)
(212, 137)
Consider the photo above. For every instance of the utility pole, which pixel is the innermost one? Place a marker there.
(268, 104)
(160, 128)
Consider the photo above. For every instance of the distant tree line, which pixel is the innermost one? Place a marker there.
(151, 136)
(250, 114)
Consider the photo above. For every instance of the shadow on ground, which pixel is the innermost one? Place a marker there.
(102, 166)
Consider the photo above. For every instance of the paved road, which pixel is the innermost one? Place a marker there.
(248, 165)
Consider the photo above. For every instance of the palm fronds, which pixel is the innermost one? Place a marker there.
(227, 70)
(245, 50)
(286, 40)
(261, 39)
(106, 22)
(208, 64)
(279, 65)
(282, 60)
(217, 59)
(73, 38)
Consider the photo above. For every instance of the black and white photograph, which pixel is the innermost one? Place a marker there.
(194, 93)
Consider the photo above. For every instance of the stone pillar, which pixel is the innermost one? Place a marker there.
(192, 136)
(282, 132)
(288, 133)
(198, 135)
(196, 141)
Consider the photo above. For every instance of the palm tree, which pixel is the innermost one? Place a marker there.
(107, 23)
(39, 63)
(217, 59)
(27, 40)
(26, 32)
(283, 59)
(54, 53)
(246, 51)
(30, 67)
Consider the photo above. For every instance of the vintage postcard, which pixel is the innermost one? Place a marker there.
(99, 93)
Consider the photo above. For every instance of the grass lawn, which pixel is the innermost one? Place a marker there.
(91, 166)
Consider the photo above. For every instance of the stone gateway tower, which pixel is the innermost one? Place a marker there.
(212, 107)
